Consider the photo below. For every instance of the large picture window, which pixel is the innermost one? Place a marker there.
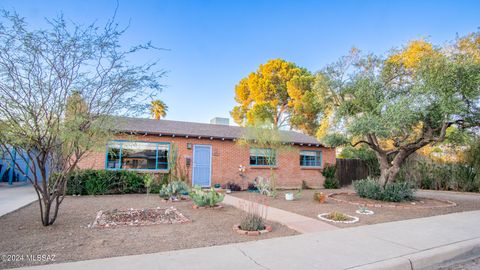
(129, 155)
(262, 157)
(310, 158)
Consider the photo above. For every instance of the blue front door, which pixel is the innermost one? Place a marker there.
(202, 169)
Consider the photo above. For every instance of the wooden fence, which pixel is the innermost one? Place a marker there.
(349, 170)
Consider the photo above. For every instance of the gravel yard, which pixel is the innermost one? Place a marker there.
(308, 207)
(70, 238)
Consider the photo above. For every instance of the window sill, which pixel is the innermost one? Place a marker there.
(263, 167)
(310, 168)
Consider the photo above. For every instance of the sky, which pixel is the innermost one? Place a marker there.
(212, 45)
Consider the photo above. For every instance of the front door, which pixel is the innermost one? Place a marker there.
(202, 165)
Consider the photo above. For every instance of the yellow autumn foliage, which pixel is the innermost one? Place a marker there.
(411, 56)
(470, 45)
(279, 92)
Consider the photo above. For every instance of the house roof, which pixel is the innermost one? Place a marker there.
(191, 129)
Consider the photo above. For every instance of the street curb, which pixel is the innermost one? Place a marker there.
(430, 258)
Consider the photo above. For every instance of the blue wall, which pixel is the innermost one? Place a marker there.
(15, 175)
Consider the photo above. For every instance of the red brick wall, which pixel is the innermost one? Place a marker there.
(226, 158)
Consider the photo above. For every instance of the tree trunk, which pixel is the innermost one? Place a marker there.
(49, 210)
(384, 168)
(388, 174)
(50, 196)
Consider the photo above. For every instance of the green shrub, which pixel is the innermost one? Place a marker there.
(133, 182)
(159, 183)
(398, 192)
(252, 222)
(428, 174)
(75, 185)
(466, 178)
(95, 182)
(254, 217)
(337, 216)
(393, 192)
(331, 182)
(329, 171)
(148, 182)
(368, 188)
(204, 198)
(173, 190)
(96, 186)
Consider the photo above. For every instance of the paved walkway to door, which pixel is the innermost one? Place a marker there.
(14, 197)
(299, 223)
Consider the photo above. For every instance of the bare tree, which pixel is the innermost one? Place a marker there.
(58, 87)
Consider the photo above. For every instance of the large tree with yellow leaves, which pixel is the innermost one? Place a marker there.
(402, 103)
(279, 92)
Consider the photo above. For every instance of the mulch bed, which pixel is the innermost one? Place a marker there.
(418, 203)
(138, 217)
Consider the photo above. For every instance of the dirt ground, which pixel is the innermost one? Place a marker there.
(70, 239)
(308, 207)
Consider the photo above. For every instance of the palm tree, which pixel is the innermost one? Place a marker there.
(158, 109)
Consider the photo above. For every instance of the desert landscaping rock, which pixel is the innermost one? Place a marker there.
(207, 207)
(238, 230)
(365, 212)
(418, 203)
(138, 217)
(70, 238)
(306, 206)
(352, 219)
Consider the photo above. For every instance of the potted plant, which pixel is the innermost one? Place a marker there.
(218, 187)
(319, 196)
(289, 196)
(231, 187)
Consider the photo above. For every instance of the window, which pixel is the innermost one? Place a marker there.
(262, 157)
(310, 158)
(137, 155)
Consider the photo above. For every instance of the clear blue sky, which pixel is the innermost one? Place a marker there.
(213, 44)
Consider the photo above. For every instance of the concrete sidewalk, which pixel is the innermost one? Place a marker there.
(14, 197)
(299, 223)
(408, 244)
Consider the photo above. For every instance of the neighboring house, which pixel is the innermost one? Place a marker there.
(14, 167)
(209, 153)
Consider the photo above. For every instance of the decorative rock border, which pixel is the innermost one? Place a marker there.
(237, 229)
(101, 220)
(365, 212)
(207, 207)
(354, 219)
(183, 198)
(378, 205)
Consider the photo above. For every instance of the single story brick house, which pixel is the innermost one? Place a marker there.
(209, 153)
